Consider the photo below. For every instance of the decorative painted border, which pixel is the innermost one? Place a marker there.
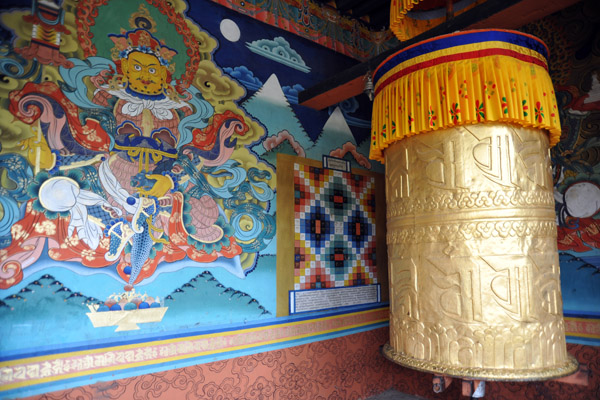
(583, 330)
(34, 375)
(65, 369)
(320, 24)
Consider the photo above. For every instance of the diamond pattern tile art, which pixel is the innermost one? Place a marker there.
(334, 214)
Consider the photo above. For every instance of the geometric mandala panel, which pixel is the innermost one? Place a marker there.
(334, 217)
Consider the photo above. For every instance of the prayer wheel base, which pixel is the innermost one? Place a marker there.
(487, 374)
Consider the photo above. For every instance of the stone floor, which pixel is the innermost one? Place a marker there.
(394, 395)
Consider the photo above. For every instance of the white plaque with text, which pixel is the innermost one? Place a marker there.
(323, 299)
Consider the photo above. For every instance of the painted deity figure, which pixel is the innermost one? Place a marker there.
(135, 190)
(146, 130)
(147, 140)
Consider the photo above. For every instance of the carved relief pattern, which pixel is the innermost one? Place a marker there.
(398, 187)
(468, 347)
(470, 200)
(473, 230)
(474, 275)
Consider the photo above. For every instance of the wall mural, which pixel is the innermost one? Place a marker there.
(576, 159)
(320, 23)
(137, 172)
(137, 167)
(136, 156)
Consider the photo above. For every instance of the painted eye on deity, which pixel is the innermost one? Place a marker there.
(152, 70)
(137, 67)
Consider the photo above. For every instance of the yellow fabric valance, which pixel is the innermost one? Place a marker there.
(465, 78)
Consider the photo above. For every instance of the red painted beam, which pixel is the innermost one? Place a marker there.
(336, 95)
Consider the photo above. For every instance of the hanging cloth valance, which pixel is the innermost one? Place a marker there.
(464, 78)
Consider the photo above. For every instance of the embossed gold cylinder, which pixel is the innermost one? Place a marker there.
(464, 124)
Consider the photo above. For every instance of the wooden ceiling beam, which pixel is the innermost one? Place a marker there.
(347, 5)
(380, 18)
(500, 14)
(368, 7)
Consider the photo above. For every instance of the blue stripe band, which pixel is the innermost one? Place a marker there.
(460, 40)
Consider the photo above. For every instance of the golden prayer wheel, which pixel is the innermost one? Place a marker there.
(464, 123)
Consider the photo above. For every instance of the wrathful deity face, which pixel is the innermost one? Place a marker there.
(144, 73)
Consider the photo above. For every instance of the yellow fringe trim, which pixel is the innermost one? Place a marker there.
(487, 89)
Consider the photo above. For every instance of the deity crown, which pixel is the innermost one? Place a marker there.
(141, 40)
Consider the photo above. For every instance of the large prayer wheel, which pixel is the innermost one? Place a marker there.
(464, 123)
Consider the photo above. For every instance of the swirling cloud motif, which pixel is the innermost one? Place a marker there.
(244, 76)
(273, 141)
(278, 50)
(12, 131)
(351, 148)
(291, 92)
(214, 85)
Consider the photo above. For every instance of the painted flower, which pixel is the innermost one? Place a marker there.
(479, 108)
(410, 121)
(91, 134)
(46, 227)
(88, 254)
(490, 89)
(504, 105)
(454, 111)
(104, 243)
(525, 108)
(432, 117)
(18, 233)
(539, 112)
(463, 90)
(533, 72)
